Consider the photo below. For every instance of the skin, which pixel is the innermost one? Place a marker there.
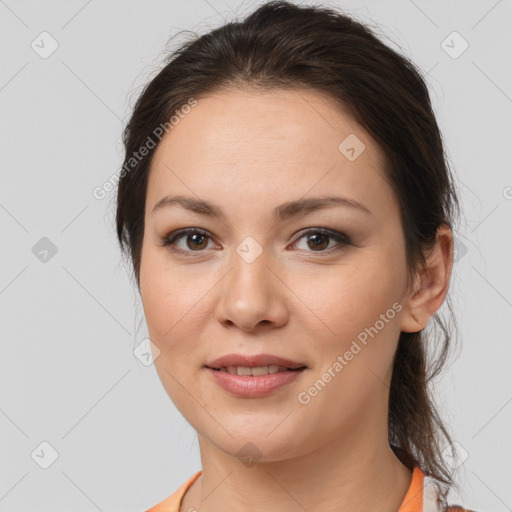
(248, 151)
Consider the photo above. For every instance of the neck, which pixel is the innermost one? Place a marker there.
(358, 474)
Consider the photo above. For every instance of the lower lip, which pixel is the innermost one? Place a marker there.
(253, 386)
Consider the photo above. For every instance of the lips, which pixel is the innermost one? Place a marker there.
(254, 361)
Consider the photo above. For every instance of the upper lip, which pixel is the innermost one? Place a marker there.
(253, 361)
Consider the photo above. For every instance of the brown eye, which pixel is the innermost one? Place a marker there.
(196, 240)
(318, 240)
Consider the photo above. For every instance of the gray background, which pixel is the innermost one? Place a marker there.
(68, 374)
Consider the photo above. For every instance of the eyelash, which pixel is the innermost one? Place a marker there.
(171, 239)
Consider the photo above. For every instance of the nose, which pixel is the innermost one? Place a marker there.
(254, 295)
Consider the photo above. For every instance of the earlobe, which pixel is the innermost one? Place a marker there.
(414, 319)
(417, 321)
(411, 323)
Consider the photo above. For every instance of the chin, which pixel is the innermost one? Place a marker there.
(256, 446)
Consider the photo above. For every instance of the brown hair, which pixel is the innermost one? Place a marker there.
(281, 45)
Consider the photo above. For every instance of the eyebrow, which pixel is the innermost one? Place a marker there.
(281, 212)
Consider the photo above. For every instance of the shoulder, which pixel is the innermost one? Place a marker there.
(172, 503)
(457, 508)
(431, 503)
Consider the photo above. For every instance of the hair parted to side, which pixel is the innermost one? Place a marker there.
(286, 46)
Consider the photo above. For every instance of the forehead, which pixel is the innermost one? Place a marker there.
(253, 144)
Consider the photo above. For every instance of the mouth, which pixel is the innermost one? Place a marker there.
(255, 371)
(255, 365)
(254, 376)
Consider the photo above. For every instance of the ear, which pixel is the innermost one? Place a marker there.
(431, 286)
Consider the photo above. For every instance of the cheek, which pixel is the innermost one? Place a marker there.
(171, 305)
(360, 309)
(343, 301)
(165, 293)
(354, 333)
(174, 301)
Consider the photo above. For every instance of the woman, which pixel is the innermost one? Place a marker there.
(288, 211)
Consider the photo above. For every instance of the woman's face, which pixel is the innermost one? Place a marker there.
(261, 278)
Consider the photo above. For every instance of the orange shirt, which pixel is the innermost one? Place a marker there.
(420, 496)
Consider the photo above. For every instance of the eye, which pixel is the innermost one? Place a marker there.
(318, 239)
(196, 240)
